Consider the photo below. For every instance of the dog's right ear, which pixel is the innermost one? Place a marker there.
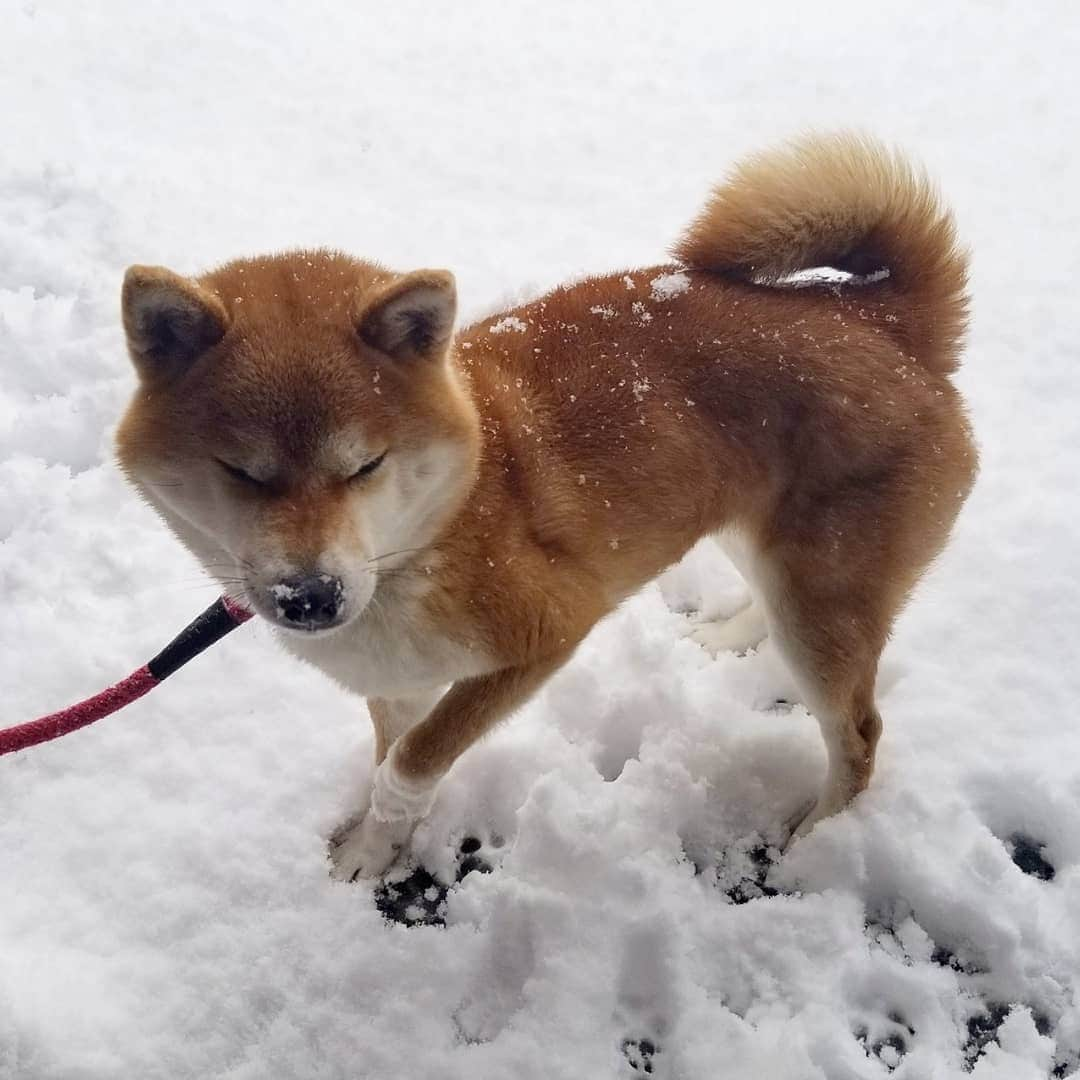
(413, 317)
(169, 320)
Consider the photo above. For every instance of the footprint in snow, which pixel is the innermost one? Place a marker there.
(739, 870)
(639, 1054)
(420, 898)
(886, 1039)
(982, 1032)
(645, 996)
(1027, 854)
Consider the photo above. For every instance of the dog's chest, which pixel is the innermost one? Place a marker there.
(391, 650)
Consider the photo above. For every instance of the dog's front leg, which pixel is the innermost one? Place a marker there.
(393, 717)
(406, 779)
(358, 842)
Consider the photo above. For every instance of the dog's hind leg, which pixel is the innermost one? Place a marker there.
(743, 631)
(747, 628)
(830, 633)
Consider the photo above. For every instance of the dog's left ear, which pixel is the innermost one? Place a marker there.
(169, 320)
(412, 317)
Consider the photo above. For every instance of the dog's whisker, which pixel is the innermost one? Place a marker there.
(390, 554)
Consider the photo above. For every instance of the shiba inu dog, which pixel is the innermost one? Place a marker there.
(436, 521)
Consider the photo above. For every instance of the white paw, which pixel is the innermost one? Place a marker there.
(367, 848)
(801, 822)
(809, 815)
(395, 797)
(741, 633)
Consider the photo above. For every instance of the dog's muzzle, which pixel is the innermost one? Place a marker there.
(308, 601)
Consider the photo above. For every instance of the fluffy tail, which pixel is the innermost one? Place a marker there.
(851, 203)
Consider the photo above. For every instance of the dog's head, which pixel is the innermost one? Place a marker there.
(298, 423)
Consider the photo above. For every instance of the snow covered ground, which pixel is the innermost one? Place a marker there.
(165, 908)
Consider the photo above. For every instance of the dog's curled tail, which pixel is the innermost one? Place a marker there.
(848, 202)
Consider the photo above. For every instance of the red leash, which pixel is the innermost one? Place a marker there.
(212, 625)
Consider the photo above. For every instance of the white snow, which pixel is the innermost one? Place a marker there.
(666, 286)
(166, 910)
(824, 275)
(510, 323)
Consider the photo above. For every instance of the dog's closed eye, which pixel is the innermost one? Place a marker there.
(240, 474)
(368, 467)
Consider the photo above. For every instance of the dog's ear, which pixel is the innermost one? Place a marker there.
(169, 320)
(412, 317)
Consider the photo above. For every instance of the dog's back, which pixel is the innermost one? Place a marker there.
(814, 422)
(644, 409)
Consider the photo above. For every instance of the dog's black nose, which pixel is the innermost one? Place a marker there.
(308, 601)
